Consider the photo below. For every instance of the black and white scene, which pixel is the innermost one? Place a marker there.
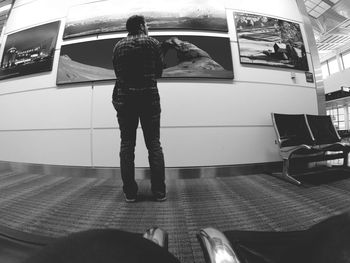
(110, 16)
(270, 41)
(29, 51)
(86, 61)
(184, 57)
(196, 57)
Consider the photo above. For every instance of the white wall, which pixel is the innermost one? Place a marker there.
(336, 80)
(204, 122)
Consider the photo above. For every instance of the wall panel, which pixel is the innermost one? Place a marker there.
(213, 104)
(67, 147)
(35, 13)
(54, 108)
(194, 146)
(336, 80)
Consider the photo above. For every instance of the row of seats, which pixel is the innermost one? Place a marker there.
(327, 242)
(309, 137)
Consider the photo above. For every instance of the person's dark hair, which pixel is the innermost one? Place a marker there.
(133, 24)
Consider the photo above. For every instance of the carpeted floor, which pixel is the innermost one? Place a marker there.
(55, 206)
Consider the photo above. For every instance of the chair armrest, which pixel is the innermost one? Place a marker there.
(334, 147)
(158, 236)
(344, 144)
(288, 151)
(216, 247)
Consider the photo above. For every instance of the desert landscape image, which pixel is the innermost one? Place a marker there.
(184, 57)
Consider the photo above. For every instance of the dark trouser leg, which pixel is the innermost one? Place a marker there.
(150, 121)
(128, 122)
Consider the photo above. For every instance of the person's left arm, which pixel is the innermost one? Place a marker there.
(159, 60)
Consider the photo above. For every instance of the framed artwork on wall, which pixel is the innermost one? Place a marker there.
(29, 51)
(111, 15)
(86, 61)
(196, 57)
(269, 41)
(184, 57)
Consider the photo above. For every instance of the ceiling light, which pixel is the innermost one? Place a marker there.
(319, 9)
(324, 5)
(316, 1)
(314, 14)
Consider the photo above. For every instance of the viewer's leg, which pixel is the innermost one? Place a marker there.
(150, 122)
(128, 122)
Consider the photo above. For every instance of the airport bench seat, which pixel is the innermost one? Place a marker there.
(308, 138)
(326, 135)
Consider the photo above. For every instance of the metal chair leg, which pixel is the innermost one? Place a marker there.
(346, 159)
(285, 174)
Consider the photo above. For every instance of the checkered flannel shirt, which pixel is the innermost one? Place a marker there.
(138, 62)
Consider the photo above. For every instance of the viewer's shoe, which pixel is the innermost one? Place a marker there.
(160, 197)
(130, 198)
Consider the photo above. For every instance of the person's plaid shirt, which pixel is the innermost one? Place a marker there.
(138, 62)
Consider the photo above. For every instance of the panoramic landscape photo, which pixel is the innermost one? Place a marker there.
(111, 16)
(184, 57)
(270, 41)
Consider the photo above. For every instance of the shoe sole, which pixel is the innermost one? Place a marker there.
(161, 199)
(129, 200)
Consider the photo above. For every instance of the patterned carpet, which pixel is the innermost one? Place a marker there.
(54, 206)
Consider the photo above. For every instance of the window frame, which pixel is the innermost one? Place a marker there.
(345, 53)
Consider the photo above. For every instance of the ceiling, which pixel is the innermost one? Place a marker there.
(331, 22)
(4, 9)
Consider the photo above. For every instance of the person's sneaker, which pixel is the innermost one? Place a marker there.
(130, 198)
(160, 197)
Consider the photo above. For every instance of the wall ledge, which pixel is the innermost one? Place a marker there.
(143, 172)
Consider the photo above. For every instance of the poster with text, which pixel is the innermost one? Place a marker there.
(110, 16)
(270, 41)
(29, 51)
(184, 57)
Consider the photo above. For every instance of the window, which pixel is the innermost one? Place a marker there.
(341, 118)
(325, 71)
(338, 117)
(333, 113)
(346, 60)
(333, 66)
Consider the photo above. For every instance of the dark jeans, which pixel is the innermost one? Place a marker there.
(129, 111)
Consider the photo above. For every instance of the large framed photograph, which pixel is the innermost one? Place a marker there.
(196, 57)
(86, 61)
(29, 51)
(111, 15)
(184, 57)
(269, 41)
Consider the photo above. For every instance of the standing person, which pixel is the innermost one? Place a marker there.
(138, 62)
